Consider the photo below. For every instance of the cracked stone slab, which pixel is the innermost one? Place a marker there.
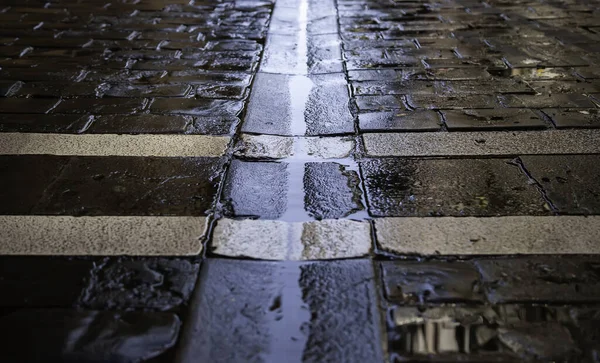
(483, 143)
(299, 148)
(257, 311)
(277, 240)
(56, 335)
(489, 236)
(76, 236)
(112, 144)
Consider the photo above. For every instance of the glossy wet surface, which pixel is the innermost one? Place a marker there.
(299, 180)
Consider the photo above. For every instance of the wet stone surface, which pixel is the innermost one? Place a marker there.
(87, 336)
(400, 121)
(505, 119)
(257, 311)
(569, 182)
(109, 185)
(451, 187)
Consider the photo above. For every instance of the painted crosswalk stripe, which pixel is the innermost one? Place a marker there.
(106, 236)
(112, 145)
(489, 236)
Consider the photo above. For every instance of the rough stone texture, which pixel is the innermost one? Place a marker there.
(573, 118)
(42, 282)
(109, 145)
(86, 336)
(276, 240)
(298, 148)
(299, 105)
(541, 279)
(331, 191)
(65, 235)
(257, 311)
(483, 143)
(430, 282)
(448, 187)
(569, 181)
(489, 236)
(147, 283)
(245, 194)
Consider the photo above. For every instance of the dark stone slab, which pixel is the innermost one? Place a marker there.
(430, 282)
(551, 87)
(140, 284)
(299, 105)
(122, 186)
(231, 91)
(245, 192)
(58, 89)
(156, 90)
(436, 102)
(25, 179)
(451, 187)
(42, 281)
(140, 124)
(498, 118)
(381, 103)
(214, 125)
(556, 279)
(196, 107)
(86, 336)
(582, 118)
(27, 105)
(52, 123)
(254, 311)
(571, 182)
(100, 106)
(401, 121)
(331, 190)
(564, 100)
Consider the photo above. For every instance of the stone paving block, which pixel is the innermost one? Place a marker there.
(19, 197)
(498, 118)
(430, 282)
(299, 105)
(140, 284)
(130, 91)
(276, 240)
(551, 87)
(566, 100)
(577, 118)
(297, 148)
(448, 187)
(86, 336)
(131, 186)
(244, 191)
(570, 182)
(138, 124)
(559, 279)
(196, 107)
(401, 121)
(292, 311)
(214, 125)
(42, 282)
(58, 89)
(100, 106)
(27, 105)
(435, 102)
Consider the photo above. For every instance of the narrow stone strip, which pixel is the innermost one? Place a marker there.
(111, 144)
(276, 240)
(106, 236)
(483, 143)
(489, 236)
(299, 148)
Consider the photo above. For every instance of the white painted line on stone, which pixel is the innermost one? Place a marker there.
(106, 236)
(483, 143)
(299, 148)
(110, 144)
(276, 240)
(489, 236)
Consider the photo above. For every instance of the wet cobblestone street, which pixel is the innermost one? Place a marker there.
(299, 181)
